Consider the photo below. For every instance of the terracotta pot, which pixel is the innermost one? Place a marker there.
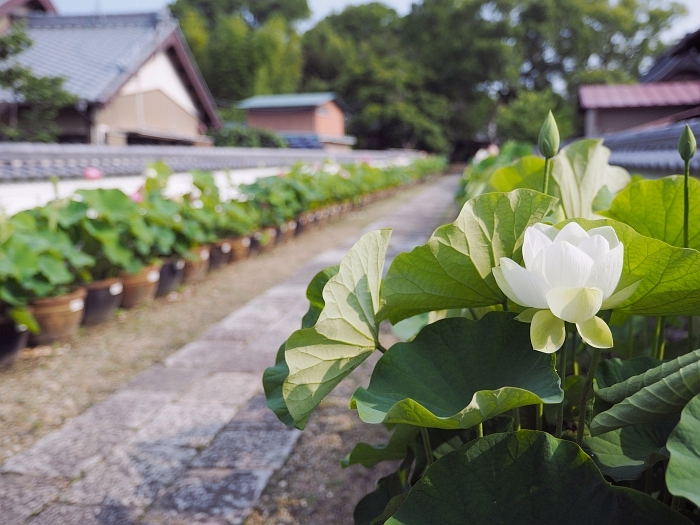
(302, 224)
(171, 275)
(271, 234)
(141, 287)
(240, 248)
(103, 298)
(286, 231)
(196, 271)
(13, 338)
(220, 254)
(58, 317)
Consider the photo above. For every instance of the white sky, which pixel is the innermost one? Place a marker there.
(321, 8)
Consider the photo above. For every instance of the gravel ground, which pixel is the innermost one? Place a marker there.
(49, 384)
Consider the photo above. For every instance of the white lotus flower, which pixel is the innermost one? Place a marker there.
(569, 275)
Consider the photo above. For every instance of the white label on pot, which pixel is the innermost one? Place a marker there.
(225, 248)
(76, 305)
(21, 328)
(179, 265)
(153, 276)
(115, 288)
(204, 255)
(246, 242)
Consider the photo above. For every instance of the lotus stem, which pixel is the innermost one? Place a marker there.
(547, 173)
(690, 334)
(686, 203)
(516, 419)
(539, 411)
(562, 375)
(659, 343)
(381, 348)
(583, 402)
(426, 446)
(676, 503)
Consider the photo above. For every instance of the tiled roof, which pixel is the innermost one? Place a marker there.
(684, 93)
(301, 100)
(95, 54)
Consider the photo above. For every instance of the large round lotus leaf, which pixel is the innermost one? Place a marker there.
(457, 373)
(683, 472)
(525, 478)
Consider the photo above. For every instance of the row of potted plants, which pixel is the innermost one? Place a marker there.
(76, 260)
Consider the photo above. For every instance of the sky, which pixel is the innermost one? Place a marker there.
(321, 8)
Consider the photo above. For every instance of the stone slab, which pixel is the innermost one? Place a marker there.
(256, 416)
(69, 451)
(214, 493)
(131, 476)
(222, 389)
(248, 449)
(108, 514)
(127, 408)
(22, 496)
(222, 356)
(184, 426)
(166, 379)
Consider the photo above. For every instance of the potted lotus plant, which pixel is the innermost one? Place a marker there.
(108, 225)
(47, 289)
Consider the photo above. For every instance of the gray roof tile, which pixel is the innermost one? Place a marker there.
(95, 54)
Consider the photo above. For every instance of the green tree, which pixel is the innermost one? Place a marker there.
(521, 119)
(37, 100)
(276, 51)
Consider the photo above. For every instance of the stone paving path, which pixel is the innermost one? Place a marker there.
(189, 441)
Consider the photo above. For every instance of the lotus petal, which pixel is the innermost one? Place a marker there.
(595, 332)
(547, 332)
(574, 305)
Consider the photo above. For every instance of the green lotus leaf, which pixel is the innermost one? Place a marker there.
(526, 172)
(457, 373)
(346, 332)
(314, 293)
(274, 376)
(625, 453)
(528, 478)
(655, 208)
(368, 455)
(453, 270)
(669, 277)
(658, 392)
(683, 471)
(581, 171)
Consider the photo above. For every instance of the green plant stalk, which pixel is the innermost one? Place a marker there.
(659, 337)
(516, 419)
(686, 203)
(426, 446)
(583, 402)
(676, 503)
(547, 174)
(690, 334)
(562, 375)
(539, 411)
(480, 430)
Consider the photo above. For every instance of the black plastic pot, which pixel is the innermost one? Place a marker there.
(12, 339)
(171, 275)
(220, 255)
(103, 298)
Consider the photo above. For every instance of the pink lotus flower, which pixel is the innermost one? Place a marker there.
(92, 173)
(137, 196)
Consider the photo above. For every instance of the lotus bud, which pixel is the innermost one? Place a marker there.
(548, 141)
(569, 276)
(687, 144)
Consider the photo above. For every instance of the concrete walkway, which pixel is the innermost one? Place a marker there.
(189, 441)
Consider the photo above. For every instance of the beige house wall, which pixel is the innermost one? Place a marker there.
(145, 113)
(329, 120)
(298, 120)
(599, 122)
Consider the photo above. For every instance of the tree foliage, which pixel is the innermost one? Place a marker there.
(37, 100)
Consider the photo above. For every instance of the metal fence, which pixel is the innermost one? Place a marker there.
(24, 162)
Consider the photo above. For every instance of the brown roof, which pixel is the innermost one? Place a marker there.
(659, 94)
